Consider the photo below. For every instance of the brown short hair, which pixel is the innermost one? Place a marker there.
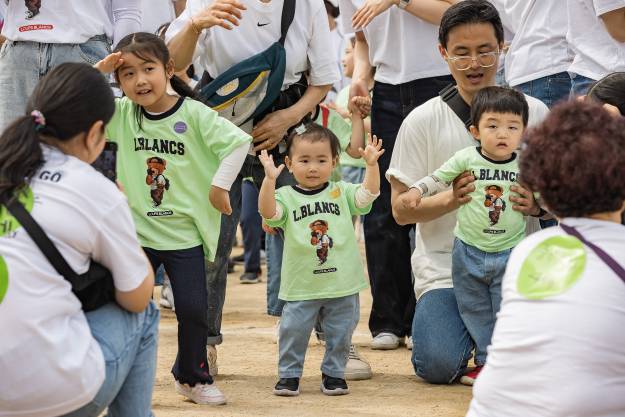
(576, 160)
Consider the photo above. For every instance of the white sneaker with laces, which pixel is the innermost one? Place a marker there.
(357, 368)
(167, 296)
(207, 394)
(211, 353)
(385, 341)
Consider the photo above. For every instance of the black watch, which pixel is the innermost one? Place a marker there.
(541, 213)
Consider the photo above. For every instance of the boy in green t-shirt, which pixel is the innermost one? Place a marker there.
(322, 272)
(487, 227)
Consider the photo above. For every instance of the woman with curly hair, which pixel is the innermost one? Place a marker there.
(557, 345)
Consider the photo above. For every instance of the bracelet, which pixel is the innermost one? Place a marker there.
(198, 31)
(541, 213)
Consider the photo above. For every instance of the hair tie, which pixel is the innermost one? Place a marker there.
(40, 120)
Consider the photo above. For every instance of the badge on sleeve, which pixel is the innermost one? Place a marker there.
(552, 268)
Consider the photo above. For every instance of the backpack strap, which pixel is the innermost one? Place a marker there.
(450, 96)
(325, 115)
(40, 238)
(607, 259)
(288, 13)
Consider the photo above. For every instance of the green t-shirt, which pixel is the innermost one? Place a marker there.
(166, 167)
(487, 221)
(321, 257)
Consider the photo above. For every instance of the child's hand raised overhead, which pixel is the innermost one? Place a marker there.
(372, 151)
(271, 172)
(110, 63)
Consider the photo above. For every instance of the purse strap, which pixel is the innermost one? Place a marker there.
(609, 261)
(453, 99)
(40, 238)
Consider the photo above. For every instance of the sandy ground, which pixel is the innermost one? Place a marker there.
(247, 363)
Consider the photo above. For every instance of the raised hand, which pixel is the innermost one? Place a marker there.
(110, 63)
(224, 13)
(363, 104)
(370, 10)
(372, 151)
(358, 88)
(271, 172)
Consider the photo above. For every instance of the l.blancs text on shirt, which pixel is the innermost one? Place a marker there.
(312, 209)
(495, 175)
(165, 146)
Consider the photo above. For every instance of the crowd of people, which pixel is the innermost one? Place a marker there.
(479, 145)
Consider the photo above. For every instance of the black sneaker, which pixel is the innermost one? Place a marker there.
(287, 387)
(230, 267)
(250, 277)
(333, 386)
(238, 260)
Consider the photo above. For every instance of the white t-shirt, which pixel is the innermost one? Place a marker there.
(539, 46)
(71, 21)
(402, 47)
(428, 137)
(561, 356)
(596, 53)
(308, 43)
(155, 13)
(49, 362)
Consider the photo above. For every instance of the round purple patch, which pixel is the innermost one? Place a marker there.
(180, 127)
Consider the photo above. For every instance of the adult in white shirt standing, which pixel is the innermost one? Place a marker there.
(46, 33)
(155, 13)
(557, 348)
(538, 59)
(471, 37)
(56, 359)
(223, 33)
(596, 36)
(398, 38)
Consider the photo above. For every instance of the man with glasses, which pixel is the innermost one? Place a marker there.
(398, 38)
(470, 40)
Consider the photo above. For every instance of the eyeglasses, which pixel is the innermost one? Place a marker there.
(484, 60)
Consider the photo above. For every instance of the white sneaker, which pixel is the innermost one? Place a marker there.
(357, 368)
(409, 343)
(276, 334)
(211, 353)
(385, 341)
(201, 393)
(167, 296)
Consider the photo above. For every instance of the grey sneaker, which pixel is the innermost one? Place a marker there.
(250, 277)
(357, 368)
(167, 296)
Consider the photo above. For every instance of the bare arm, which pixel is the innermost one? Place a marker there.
(615, 23)
(179, 6)
(361, 78)
(371, 154)
(357, 139)
(137, 300)
(430, 11)
(267, 194)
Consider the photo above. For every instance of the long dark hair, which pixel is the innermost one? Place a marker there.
(71, 98)
(611, 90)
(148, 46)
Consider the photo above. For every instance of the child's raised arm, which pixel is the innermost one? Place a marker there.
(267, 194)
(371, 153)
(360, 130)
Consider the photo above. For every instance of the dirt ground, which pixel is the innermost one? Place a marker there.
(247, 362)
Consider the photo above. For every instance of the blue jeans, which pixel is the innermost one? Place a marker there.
(443, 347)
(387, 244)
(23, 64)
(550, 89)
(217, 271)
(251, 226)
(580, 85)
(477, 279)
(337, 321)
(186, 271)
(128, 342)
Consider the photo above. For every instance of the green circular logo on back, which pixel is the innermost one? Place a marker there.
(552, 267)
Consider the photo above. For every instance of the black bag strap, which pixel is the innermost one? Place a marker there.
(450, 96)
(40, 238)
(609, 261)
(288, 13)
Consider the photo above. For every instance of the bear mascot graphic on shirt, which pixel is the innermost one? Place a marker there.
(156, 180)
(320, 239)
(495, 203)
(33, 7)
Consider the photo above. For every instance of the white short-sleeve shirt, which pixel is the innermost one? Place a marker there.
(155, 13)
(308, 42)
(402, 47)
(49, 362)
(561, 355)
(428, 137)
(596, 53)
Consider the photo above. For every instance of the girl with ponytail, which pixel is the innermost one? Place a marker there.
(56, 359)
(172, 152)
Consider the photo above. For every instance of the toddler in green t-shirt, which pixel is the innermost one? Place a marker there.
(322, 272)
(487, 228)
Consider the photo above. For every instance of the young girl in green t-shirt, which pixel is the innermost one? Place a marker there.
(172, 152)
(322, 272)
